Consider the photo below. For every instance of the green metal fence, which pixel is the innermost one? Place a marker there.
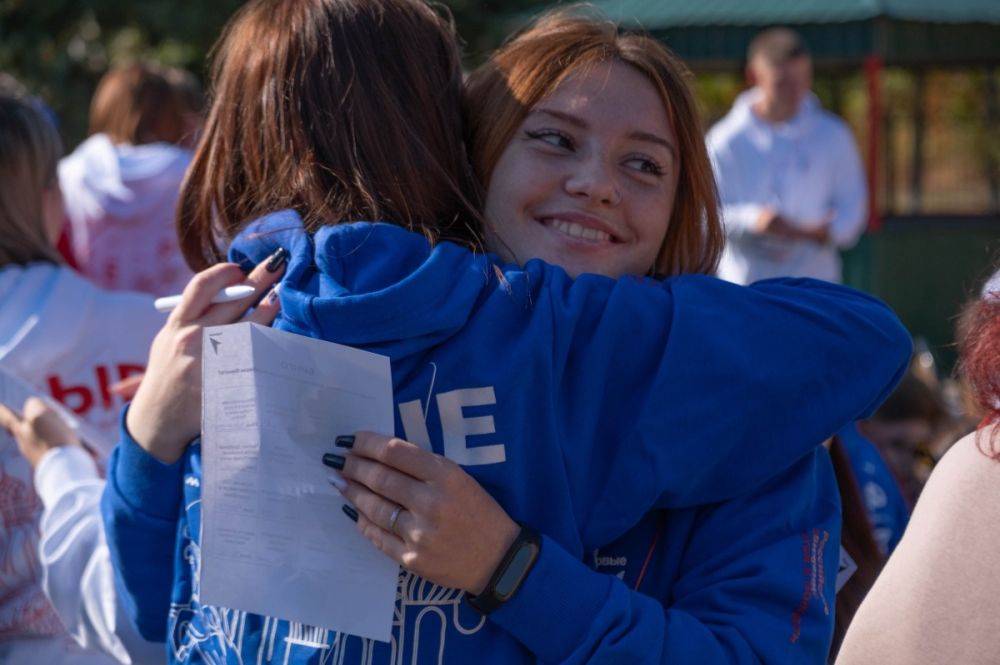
(926, 268)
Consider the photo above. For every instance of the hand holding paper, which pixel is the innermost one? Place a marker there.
(273, 539)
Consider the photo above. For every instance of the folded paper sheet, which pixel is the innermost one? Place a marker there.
(274, 540)
(14, 392)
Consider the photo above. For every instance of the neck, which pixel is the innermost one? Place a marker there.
(770, 110)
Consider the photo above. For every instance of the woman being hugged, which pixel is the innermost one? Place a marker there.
(604, 417)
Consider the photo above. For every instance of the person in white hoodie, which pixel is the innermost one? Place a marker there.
(72, 341)
(121, 184)
(790, 180)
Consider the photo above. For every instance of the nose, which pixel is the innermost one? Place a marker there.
(594, 180)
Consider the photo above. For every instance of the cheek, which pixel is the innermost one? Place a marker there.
(516, 183)
(656, 212)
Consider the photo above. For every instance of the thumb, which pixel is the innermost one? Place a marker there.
(9, 420)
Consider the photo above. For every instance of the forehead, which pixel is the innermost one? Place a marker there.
(764, 62)
(611, 95)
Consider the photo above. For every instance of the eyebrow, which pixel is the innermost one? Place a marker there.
(576, 121)
(653, 138)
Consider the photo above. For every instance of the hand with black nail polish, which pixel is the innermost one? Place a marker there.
(422, 510)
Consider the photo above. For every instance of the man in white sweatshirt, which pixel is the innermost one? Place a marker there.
(790, 180)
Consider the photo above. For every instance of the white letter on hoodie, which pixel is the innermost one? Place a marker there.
(455, 428)
(414, 425)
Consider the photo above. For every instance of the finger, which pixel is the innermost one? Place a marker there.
(204, 286)
(8, 419)
(379, 510)
(384, 542)
(34, 409)
(385, 481)
(398, 454)
(265, 274)
(267, 309)
(126, 388)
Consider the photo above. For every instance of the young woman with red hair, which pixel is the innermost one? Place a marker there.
(938, 598)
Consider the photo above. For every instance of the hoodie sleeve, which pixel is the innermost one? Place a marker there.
(850, 193)
(77, 574)
(141, 509)
(710, 387)
(756, 585)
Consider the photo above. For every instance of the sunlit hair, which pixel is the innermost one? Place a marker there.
(29, 153)
(137, 104)
(342, 110)
(501, 93)
(979, 357)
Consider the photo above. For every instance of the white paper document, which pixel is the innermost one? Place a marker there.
(274, 539)
(14, 392)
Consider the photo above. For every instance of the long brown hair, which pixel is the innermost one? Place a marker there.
(501, 93)
(29, 153)
(342, 110)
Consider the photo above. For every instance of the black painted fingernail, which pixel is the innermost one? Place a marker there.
(276, 260)
(350, 512)
(334, 461)
(272, 295)
(345, 441)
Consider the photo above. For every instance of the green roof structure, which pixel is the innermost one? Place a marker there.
(714, 34)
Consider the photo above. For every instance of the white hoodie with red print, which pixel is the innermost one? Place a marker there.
(71, 340)
(120, 201)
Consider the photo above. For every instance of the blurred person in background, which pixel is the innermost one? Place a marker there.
(907, 430)
(70, 340)
(790, 180)
(121, 184)
(938, 597)
(192, 103)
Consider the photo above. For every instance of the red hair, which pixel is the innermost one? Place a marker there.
(979, 358)
(502, 91)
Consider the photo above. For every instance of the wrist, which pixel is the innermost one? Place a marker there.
(505, 537)
(149, 434)
(510, 574)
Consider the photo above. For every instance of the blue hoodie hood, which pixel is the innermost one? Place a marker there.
(365, 284)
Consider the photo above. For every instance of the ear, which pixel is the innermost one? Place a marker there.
(750, 75)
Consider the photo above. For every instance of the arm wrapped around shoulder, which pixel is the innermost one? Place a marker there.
(747, 381)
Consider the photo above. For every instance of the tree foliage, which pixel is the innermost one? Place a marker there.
(60, 48)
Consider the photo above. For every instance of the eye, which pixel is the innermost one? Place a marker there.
(552, 137)
(644, 165)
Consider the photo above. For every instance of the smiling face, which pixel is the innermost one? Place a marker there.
(588, 180)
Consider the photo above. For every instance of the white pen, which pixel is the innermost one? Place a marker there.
(228, 294)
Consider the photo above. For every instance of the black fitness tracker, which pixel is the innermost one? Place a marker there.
(508, 576)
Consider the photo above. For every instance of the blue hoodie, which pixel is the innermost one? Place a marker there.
(667, 394)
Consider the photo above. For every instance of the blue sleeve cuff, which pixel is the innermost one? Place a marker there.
(551, 613)
(146, 484)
